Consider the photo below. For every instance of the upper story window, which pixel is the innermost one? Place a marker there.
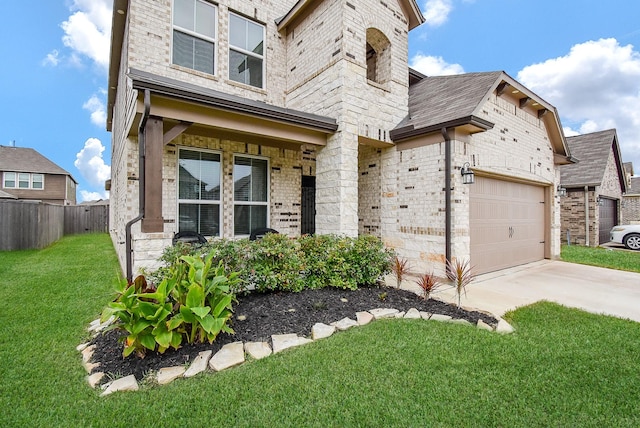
(23, 180)
(246, 51)
(194, 35)
(199, 190)
(9, 180)
(37, 181)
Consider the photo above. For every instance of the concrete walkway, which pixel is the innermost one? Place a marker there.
(593, 289)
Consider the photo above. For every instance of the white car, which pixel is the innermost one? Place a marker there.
(627, 234)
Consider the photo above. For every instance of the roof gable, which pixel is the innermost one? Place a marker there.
(457, 100)
(409, 7)
(22, 159)
(592, 152)
(441, 99)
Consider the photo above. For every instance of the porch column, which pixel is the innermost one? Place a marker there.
(153, 221)
(337, 186)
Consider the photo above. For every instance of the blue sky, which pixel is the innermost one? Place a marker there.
(581, 56)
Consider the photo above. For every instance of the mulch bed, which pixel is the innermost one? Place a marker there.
(275, 313)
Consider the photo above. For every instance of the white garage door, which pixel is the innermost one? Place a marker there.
(507, 224)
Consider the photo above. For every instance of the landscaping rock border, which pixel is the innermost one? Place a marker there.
(234, 354)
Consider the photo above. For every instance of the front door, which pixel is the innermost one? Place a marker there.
(308, 205)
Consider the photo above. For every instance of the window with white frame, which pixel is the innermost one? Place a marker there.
(37, 181)
(246, 51)
(23, 180)
(9, 181)
(250, 194)
(199, 190)
(194, 35)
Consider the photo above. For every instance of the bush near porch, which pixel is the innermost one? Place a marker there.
(279, 263)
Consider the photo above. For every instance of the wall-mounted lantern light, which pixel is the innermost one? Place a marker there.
(468, 177)
(562, 192)
(600, 201)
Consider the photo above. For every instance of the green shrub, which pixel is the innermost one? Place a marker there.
(369, 259)
(193, 302)
(274, 262)
(344, 262)
(277, 262)
(324, 261)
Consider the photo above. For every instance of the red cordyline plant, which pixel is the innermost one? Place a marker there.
(428, 282)
(459, 272)
(400, 268)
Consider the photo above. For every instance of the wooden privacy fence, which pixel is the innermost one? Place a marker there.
(25, 225)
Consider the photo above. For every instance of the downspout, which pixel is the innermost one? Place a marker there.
(447, 196)
(141, 198)
(586, 215)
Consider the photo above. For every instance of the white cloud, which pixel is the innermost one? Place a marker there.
(97, 109)
(436, 12)
(52, 58)
(92, 196)
(88, 30)
(434, 66)
(90, 163)
(595, 87)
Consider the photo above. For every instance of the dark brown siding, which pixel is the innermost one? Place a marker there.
(55, 187)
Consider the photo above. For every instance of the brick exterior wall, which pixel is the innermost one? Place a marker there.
(631, 209)
(517, 148)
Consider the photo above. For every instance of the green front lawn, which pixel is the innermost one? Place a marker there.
(602, 257)
(562, 367)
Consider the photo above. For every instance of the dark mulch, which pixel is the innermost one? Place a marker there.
(275, 313)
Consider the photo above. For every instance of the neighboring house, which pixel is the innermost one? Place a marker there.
(595, 185)
(26, 174)
(5, 195)
(305, 117)
(631, 200)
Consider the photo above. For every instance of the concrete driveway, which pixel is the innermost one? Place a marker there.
(593, 289)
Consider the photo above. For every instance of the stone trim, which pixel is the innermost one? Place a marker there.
(234, 354)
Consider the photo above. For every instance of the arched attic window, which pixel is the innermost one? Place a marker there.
(378, 56)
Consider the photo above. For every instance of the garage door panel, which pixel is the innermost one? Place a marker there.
(608, 214)
(507, 224)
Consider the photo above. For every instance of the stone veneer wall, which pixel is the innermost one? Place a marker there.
(327, 74)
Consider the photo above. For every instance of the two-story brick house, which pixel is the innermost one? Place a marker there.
(27, 174)
(304, 117)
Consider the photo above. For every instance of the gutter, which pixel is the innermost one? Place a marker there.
(406, 132)
(447, 196)
(141, 195)
(586, 216)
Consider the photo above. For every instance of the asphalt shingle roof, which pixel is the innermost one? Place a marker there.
(634, 188)
(440, 99)
(23, 159)
(592, 152)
